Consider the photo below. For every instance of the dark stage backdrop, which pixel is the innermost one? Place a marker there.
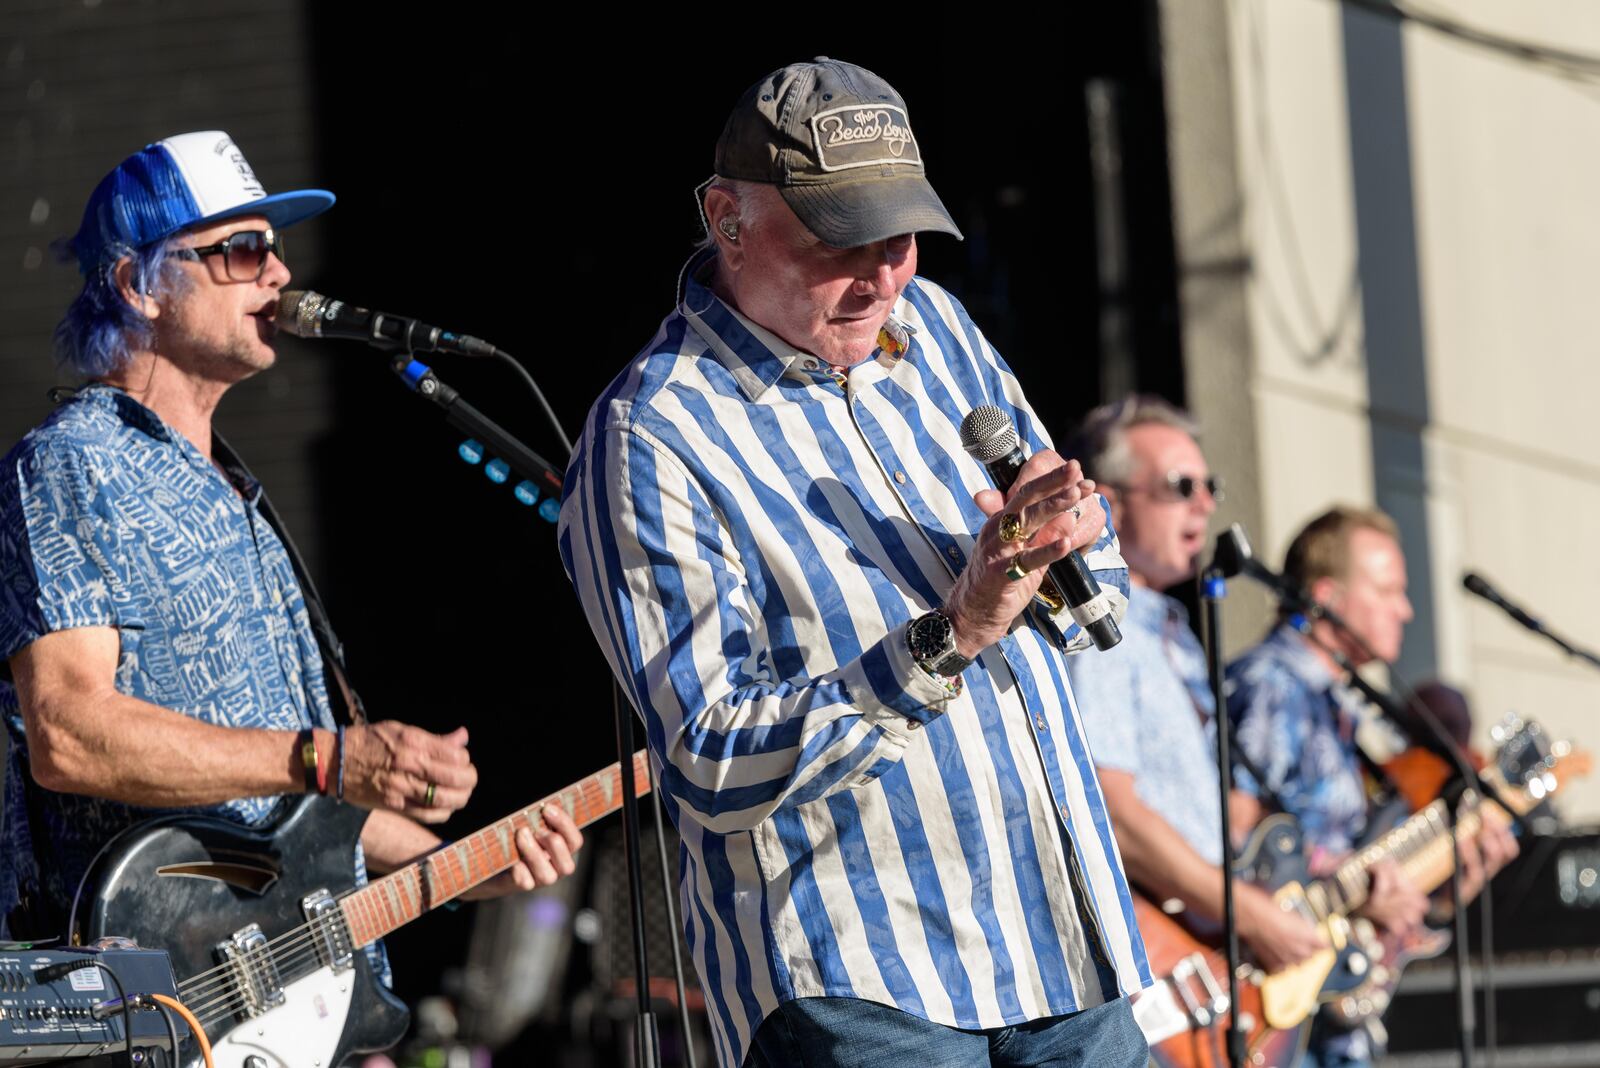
(531, 183)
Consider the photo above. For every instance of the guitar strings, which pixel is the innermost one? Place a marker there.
(217, 991)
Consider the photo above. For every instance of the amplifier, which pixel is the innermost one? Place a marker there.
(55, 1019)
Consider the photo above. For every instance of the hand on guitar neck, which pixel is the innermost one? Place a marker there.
(1393, 903)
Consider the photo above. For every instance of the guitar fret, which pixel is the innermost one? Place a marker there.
(402, 896)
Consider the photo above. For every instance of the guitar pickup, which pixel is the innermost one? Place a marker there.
(254, 970)
(328, 929)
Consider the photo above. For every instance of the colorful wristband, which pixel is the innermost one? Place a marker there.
(339, 779)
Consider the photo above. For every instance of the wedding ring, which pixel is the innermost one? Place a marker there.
(427, 798)
(1011, 528)
(1016, 572)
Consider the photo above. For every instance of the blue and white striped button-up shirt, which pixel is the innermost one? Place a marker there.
(749, 535)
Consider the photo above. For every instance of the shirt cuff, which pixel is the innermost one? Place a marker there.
(886, 681)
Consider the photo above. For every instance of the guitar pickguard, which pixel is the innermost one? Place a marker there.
(303, 1032)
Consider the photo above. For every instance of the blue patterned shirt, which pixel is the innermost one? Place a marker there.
(1293, 718)
(1142, 704)
(109, 518)
(749, 535)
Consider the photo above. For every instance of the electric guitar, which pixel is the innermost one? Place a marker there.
(267, 926)
(1185, 1015)
(1528, 769)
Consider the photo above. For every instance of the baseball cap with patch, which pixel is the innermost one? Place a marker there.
(834, 138)
(192, 179)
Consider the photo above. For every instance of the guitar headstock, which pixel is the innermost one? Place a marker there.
(1530, 766)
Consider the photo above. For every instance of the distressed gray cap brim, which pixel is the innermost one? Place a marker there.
(846, 214)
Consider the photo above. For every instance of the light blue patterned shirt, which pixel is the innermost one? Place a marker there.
(749, 536)
(1142, 704)
(109, 518)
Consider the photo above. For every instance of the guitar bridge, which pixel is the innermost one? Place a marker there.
(329, 930)
(1194, 967)
(254, 970)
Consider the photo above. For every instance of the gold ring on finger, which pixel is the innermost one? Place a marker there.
(427, 798)
(1016, 572)
(1011, 528)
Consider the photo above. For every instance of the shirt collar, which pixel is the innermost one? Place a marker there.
(111, 399)
(1296, 654)
(754, 355)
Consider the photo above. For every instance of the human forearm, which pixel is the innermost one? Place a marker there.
(1156, 857)
(85, 736)
(117, 747)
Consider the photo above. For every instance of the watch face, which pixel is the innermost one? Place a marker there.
(929, 637)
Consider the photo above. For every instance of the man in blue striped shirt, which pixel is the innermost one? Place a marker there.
(894, 845)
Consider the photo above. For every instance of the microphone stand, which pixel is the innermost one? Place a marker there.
(1214, 587)
(533, 467)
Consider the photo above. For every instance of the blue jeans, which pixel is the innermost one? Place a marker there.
(849, 1033)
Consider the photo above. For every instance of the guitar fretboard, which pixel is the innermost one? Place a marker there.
(402, 896)
(1421, 846)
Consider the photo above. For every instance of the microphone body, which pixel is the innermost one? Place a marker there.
(1478, 585)
(988, 435)
(308, 314)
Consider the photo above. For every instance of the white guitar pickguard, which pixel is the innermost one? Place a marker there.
(303, 1032)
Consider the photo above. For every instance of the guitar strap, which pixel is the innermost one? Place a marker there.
(347, 704)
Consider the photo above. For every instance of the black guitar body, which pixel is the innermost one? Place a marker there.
(185, 883)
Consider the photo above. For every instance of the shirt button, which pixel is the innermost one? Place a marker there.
(913, 724)
(955, 554)
(900, 477)
(811, 365)
(1039, 722)
(1066, 813)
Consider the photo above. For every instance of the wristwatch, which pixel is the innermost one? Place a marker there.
(931, 640)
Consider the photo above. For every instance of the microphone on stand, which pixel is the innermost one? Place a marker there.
(1476, 584)
(308, 314)
(987, 434)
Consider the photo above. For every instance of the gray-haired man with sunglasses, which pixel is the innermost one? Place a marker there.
(1147, 704)
(154, 631)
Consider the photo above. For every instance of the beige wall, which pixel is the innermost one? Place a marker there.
(1489, 452)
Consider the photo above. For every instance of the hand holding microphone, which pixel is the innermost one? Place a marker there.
(1043, 512)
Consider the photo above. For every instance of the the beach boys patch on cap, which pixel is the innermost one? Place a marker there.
(859, 135)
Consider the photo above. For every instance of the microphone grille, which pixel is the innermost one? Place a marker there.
(300, 312)
(987, 434)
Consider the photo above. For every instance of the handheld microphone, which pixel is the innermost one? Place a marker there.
(987, 434)
(308, 314)
(1476, 584)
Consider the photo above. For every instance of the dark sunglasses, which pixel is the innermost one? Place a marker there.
(244, 254)
(1184, 487)
(1177, 486)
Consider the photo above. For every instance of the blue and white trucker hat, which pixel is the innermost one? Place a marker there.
(189, 180)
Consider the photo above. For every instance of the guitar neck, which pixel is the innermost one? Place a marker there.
(1421, 846)
(401, 896)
